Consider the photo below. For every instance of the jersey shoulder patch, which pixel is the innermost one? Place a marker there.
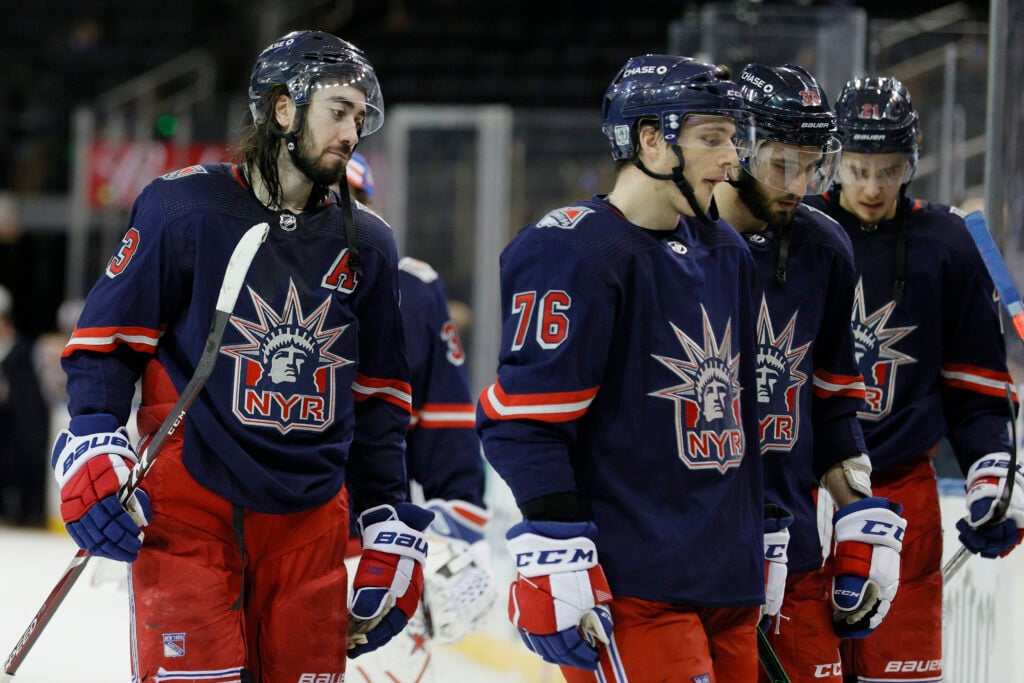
(566, 218)
(184, 172)
(417, 268)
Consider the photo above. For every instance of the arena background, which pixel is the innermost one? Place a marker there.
(493, 117)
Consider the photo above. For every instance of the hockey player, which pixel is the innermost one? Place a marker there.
(241, 576)
(617, 417)
(928, 340)
(808, 385)
(443, 458)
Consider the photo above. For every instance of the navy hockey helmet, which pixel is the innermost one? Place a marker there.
(666, 88)
(790, 108)
(300, 59)
(876, 116)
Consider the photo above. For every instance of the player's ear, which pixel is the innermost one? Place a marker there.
(284, 112)
(648, 139)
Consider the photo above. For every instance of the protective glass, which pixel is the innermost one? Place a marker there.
(711, 131)
(885, 170)
(346, 75)
(795, 169)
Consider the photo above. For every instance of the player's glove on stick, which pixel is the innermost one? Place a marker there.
(460, 587)
(559, 600)
(92, 460)
(980, 532)
(869, 538)
(389, 579)
(776, 543)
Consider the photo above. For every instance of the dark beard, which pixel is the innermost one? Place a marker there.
(748, 188)
(309, 165)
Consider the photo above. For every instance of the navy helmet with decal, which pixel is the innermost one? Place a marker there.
(671, 92)
(665, 88)
(876, 116)
(302, 59)
(792, 110)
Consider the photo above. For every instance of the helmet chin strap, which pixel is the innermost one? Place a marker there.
(684, 187)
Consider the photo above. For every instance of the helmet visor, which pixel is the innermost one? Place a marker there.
(352, 76)
(711, 131)
(795, 169)
(885, 170)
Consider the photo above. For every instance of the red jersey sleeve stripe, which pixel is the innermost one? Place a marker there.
(105, 339)
(447, 415)
(978, 380)
(827, 384)
(393, 391)
(552, 407)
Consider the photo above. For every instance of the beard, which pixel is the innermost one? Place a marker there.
(751, 193)
(312, 164)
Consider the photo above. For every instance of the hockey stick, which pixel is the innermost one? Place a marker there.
(1010, 297)
(769, 660)
(234, 277)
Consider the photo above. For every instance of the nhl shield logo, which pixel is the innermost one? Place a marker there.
(709, 434)
(284, 371)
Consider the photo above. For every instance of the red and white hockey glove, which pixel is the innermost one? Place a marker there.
(979, 531)
(389, 579)
(869, 538)
(559, 600)
(92, 460)
(460, 588)
(776, 543)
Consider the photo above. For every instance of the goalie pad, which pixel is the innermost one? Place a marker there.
(459, 584)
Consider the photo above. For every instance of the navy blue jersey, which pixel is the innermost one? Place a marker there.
(808, 386)
(934, 364)
(442, 448)
(624, 377)
(311, 379)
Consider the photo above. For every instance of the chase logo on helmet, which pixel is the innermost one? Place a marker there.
(645, 70)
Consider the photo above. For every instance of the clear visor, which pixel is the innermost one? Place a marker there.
(884, 170)
(796, 170)
(359, 79)
(732, 130)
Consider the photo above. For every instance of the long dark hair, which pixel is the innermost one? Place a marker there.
(260, 144)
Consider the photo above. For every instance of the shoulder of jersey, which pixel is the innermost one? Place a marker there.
(421, 270)
(185, 180)
(820, 227)
(570, 217)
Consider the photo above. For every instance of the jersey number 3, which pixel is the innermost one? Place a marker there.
(552, 323)
(124, 254)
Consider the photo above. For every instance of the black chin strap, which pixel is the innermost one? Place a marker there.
(901, 247)
(350, 230)
(684, 187)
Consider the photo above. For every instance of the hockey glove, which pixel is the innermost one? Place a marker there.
(979, 531)
(559, 600)
(92, 460)
(869, 538)
(776, 543)
(459, 588)
(389, 579)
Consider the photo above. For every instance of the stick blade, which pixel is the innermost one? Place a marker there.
(238, 266)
